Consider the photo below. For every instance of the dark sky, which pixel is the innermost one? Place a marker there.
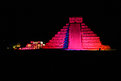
(41, 23)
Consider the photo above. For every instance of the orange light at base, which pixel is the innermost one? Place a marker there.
(33, 45)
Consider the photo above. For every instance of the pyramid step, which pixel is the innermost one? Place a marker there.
(91, 44)
(67, 24)
(92, 47)
(64, 30)
(84, 26)
(57, 39)
(85, 35)
(86, 29)
(90, 38)
(55, 43)
(65, 27)
(86, 41)
(87, 32)
(82, 23)
(61, 33)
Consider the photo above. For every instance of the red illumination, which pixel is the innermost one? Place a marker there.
(75, 20)
(91, 38)
(89, 35)
(31, 41)
(75, 37)
(80, 37)
(87, 32)
(87, 29)
(94, 41)
(84, 26)
(65, 27)
(82, 23)
(67, 24)
(33, 45)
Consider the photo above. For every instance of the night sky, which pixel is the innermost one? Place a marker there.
(26, 24)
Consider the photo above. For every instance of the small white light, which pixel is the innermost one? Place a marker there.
(41, 42)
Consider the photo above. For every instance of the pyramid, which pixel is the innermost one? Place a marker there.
(75, 35)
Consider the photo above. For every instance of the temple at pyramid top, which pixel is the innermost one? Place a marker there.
(75, 20)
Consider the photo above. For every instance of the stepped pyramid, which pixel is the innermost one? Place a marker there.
(76, 36)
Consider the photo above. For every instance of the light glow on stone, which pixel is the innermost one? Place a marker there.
(80, 37)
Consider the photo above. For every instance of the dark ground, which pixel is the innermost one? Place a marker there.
(59, 64)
